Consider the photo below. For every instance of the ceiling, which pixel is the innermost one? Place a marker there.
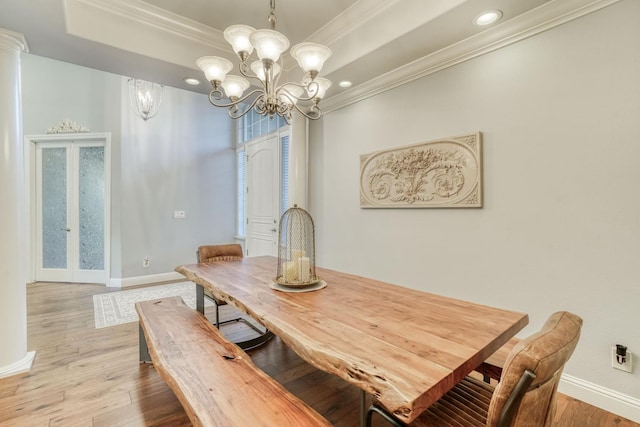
(376, 44)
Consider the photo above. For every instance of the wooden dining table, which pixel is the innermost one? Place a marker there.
(404, 346)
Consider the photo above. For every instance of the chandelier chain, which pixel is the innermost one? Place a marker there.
(272, 15)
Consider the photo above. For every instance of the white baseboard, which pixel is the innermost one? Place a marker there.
(144, 280)
(22, 365)
(604, 398)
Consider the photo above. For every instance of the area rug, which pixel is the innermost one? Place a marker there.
(116, 308)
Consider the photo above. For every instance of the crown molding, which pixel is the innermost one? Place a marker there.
(538, 20)
(153, 16)
(140, 28)
(344, 24)
(367, 25)
(13, 41)
(350, 20)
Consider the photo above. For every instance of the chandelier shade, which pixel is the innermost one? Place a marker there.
(317, 88)
(310, 56)
(234, 86)
(269, 44)
(269, 98)
(145, 97)
(290, 93)
(214, 67)
(259, 69)
(238, 38)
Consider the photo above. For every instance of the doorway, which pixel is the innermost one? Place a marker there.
(70, 204)
(263, 207)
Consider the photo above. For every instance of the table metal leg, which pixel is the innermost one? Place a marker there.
(145, 357)
(200, 298)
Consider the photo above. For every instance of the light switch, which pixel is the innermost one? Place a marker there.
(178, 215)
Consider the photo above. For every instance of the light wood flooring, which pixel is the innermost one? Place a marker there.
(84, 376)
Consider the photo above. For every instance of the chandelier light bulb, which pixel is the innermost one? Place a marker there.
(214, 67)
(234, 86)
(238, 38)
(310, 56)
(269, 44)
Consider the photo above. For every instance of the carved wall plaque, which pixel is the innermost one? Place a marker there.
(445, 173)
(67, 126)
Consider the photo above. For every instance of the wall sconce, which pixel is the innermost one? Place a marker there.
(145, 97)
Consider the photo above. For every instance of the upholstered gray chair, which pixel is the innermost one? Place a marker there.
(526, 393)
(229, 252)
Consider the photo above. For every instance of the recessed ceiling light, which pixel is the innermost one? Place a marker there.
(191, 81)
(345, 83)
(488, 17)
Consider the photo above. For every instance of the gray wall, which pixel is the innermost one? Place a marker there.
(560, 226)
(182, 159)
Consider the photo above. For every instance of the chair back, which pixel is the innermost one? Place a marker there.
(540, 357)
(214, 253)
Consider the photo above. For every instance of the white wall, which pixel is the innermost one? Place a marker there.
(560, 226)
(182, 159)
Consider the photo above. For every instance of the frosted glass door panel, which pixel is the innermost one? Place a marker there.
(91, 204)
(54, 208)
(72, 212)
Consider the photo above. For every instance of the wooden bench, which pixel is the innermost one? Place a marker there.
(491, 369)
(215, 381)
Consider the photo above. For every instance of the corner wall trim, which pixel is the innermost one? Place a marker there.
(604, 398)
(22, 365)
(144, 280)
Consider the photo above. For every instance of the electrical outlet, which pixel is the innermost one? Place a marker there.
(178, 215)
(146, 261)
(626, 366)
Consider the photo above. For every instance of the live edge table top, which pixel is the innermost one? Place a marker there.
(404, 346)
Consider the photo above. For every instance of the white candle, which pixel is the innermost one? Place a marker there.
(304, 271)
(290, 271)
(295, 254)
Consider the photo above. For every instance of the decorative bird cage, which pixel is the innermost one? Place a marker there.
(296, 249)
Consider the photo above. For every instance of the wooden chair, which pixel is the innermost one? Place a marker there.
(230, 252)
(526, 393)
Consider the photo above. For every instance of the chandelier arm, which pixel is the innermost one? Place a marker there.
(291, 96)
(276, 78)
(243, 70)
(233, 115)
(216, 95)
(314, 112)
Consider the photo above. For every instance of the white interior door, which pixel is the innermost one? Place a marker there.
(71, 211)
(263, 202)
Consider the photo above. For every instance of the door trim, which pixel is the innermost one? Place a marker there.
(30, 142)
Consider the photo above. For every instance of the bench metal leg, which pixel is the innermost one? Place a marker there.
(145, 357)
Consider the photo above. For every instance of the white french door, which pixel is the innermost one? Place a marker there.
(71, 210)
(263, 201)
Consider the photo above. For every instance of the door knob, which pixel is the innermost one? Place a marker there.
(274, 229)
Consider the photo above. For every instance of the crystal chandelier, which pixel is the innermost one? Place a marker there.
(270, 98)
(145, 97)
